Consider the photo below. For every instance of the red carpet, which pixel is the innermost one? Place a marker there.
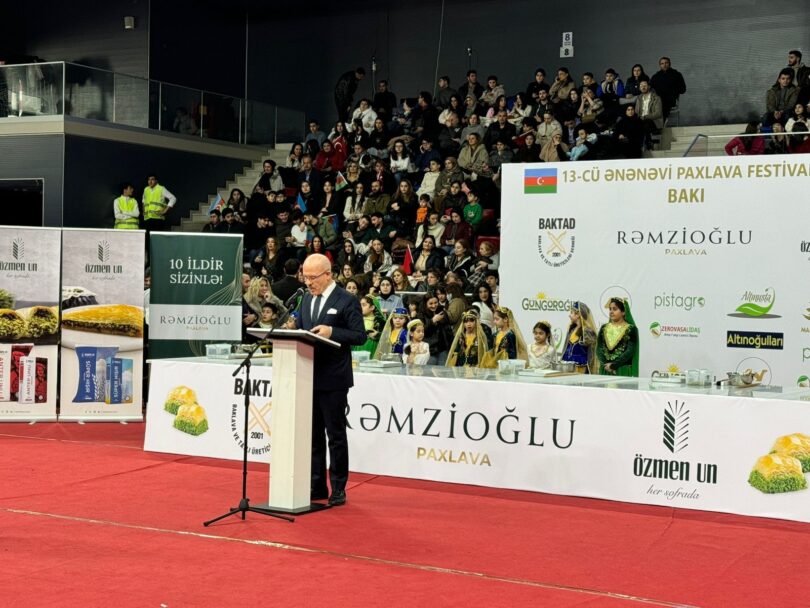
(86, 518)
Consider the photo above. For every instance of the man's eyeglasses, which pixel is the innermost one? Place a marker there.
(309, 279)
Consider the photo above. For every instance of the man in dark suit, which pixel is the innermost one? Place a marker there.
(289, 283)
(329, 311)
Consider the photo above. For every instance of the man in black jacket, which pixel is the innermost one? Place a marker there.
(669, 84)
(289, 283)
(345, 88)
(329, 311)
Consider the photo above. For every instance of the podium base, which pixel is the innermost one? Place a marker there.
(311, 508)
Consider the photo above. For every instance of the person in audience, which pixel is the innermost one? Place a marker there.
(781, 98)
(323, 227)
(473, 157)
(488, 259)
(588, 82)
(258, 294)
(424, 155)
(438, 334)
(229, 225)
(778, 144)
(555, 150)
(373, 321)
(353, 287)
(471, 86)
(358, 164)
(256, 236)
(444, 93)
(801, 72)
(330, 202)
(669, 84)
(583, 144)
(213, 221)
(450, 136)
(569, 131)
(580, 340)
(268, 317)
(314, 135)
(631, 87)
(184, 123)
(428, 257)
(353, 210)
(348, 256)
(239, 203)
(425, 205)
(453, 201)
(546, 129)
(455, 302)
(459, 261)
(628, 134)
(428, 185)
(284, 226)
(500, 130)
(288, 284)
(799, 142)
(329, 161)
(542, 104)
(492, 112)
(365, 114)
(453, 105)
(561, 87)
(529, 152)
(649, 108)
(377, 258)
(470, 344)
(270, 179)
(394, 334)
(294, 158)
(473, 213)
(450, 172)
(339, 136)
(377, 201)
(501, 154)
(416, 350)
(389, 300)
(401, 161)
(316, 245)
(127, 212)
(538, 84)
(308, 173)
(521, 110)
(401, 213)
(491, 278)
(345, 89)
(542, 353)
(384, 101)
(492, 92)
(508, 342)
(471, 108)
(456, 229)
(611, 92)
(357, 134)
(426, 119)
(485, 305)
(400, 279)
(799, 114)
(590, 107)
(378, 140)
(617, 341)
(299, 236)
(745, 146)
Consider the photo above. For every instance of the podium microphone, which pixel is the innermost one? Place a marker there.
(292, 299)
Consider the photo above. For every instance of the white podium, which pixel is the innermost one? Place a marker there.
(291, 421)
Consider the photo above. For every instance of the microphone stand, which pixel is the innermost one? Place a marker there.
(244, 503)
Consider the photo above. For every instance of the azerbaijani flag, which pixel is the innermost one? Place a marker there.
(539, 181)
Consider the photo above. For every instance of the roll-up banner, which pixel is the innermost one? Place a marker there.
(196, 294)
(102, 325)
(709, 252)
(29, 322)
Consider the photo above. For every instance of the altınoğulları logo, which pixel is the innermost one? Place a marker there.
(756, 305)
(676, 426)
(18, 249)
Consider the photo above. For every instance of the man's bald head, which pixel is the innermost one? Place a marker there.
(316, 263)
(317, 273)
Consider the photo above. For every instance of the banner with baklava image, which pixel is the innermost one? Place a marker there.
(102, 325)
(29, 322)
(196, 293)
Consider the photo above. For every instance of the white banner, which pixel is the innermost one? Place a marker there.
(102, 325)
(219, 398)
(29, 322)
(710, 253)
(693, 451)
(205, 322)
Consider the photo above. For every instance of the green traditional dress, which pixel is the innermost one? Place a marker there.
(617, 344)
(374, 325)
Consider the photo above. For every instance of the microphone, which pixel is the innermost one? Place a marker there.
(291, 300)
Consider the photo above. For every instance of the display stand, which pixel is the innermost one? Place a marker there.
(291, 422)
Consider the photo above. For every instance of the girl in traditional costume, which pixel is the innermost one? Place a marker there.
(580, 340)
(416, 351)
(394, 334)
(508, 342)
(470, 343)
(617, 342)
(373, 320)
(542, 354)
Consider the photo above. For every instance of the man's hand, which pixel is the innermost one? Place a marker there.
(325, 331)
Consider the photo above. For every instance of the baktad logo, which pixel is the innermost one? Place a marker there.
(556, 241)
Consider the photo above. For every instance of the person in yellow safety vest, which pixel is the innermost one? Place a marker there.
(126, 210)
(157, 201)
